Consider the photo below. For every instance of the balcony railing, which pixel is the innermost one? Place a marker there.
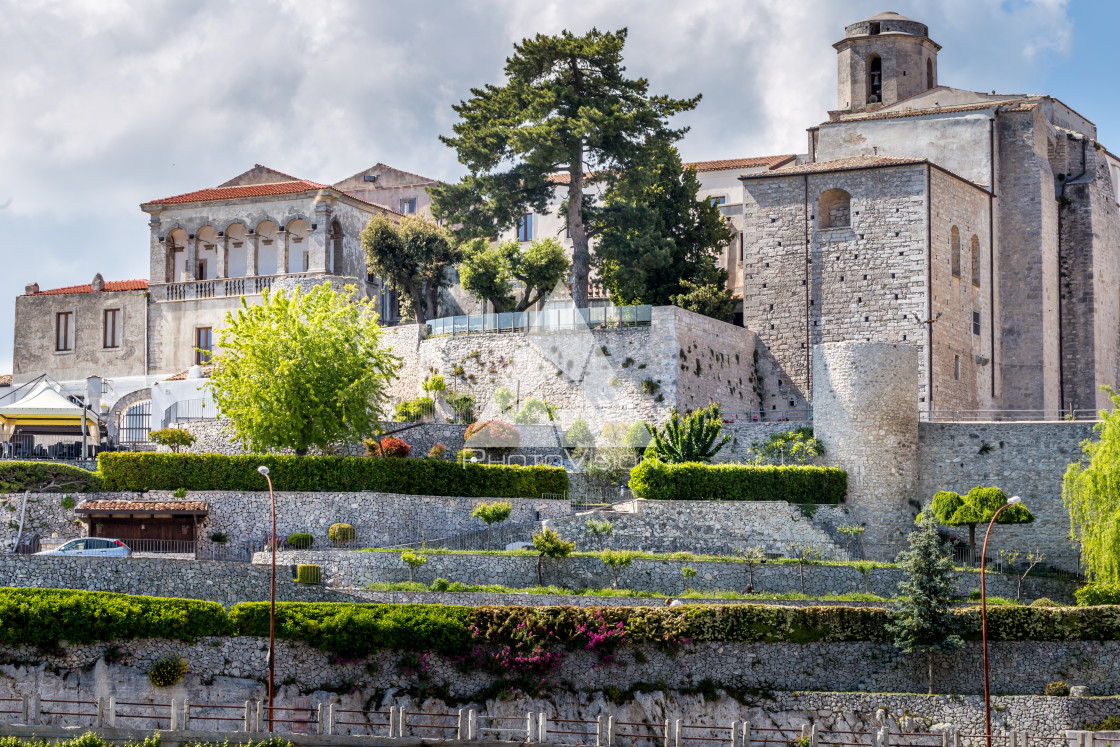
(190, 409)
(221, 287)
(534, 321)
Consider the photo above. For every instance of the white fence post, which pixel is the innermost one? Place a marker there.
(392, 721)
(248, 717)
(666, 732)
(676, 734)
(956, 736)
(528, 726)
(746, 740)
(33, 713)
(459, 726)
(542, 728)
(26, 709)
(402, 721)
(472, 725)
(599, 741)
(100, 712)
(734, 732)
(610, 730)
(174, 716)
(112, 712)
(186, 714)
(260, 716)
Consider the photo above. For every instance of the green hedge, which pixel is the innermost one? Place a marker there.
(16, 477)
(43, 617)
(151, 471)
(657, 480)
(1097, 594)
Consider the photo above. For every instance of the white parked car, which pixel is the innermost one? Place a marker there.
(91, 547)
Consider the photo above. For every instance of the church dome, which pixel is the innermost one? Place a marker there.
(887, 22)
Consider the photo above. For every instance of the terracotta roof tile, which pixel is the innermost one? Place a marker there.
(727, 164)
(839, 164)
(182, 375)
(1015, 105)
(247, 190)
(110, 285)
(145, 506)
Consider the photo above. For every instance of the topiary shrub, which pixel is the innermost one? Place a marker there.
(1044, 602)
(46, 477)
(492, 434)
(167, 671)
(390, 446)
(695, 481)
(309, 574)
(300, 540)
(341, 532)
(173, 438)
(1059, 689)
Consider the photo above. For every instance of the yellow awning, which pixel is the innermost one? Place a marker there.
(43, 405)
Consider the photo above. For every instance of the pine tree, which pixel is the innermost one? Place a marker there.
(924, 621)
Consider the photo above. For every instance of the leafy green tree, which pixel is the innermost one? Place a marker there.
(660, 240)
(977, 507)
(503, 398)
(638, 437)
(492, 513)
(924, 621)
(413, 561)
(600, 530)
(617, 561)
(579, 435)
(804, 553)
(302, 370)
(865, 568)
(484, 273)
(540, 267)
(693, 438)
(798, 446)
(850, 532)
(1091, 492)
(549, 544)
(566, 106)
(533, 411)
(173, 438)
(414, 256)
(750, 557)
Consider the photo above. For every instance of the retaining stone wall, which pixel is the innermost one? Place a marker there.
(359, 569)
(711, 526)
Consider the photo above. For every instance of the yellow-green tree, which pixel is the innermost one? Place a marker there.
(301, 370)
(1091, 492)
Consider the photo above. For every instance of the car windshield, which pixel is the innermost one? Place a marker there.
(73, 546)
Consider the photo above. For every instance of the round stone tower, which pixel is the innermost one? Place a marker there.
(865, 413)
(884, 59)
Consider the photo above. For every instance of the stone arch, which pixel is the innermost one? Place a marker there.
(113, 419)
(206, 252)
(929, 72)
(238, 248)
(835, 209)
(955, 248)
(976, 260)
(175, 244)
(267, 232)
(297, 230)
(874, 79)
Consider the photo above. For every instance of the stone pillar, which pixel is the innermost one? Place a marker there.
(282, 252)
(158, 259)
(865, 412)
(223, 258)
(192, 258)
(318, 240)
(251, 254)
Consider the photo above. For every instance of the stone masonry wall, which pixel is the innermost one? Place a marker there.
(712, 526)
(227, 672)
(1024, 459)
(359, 569)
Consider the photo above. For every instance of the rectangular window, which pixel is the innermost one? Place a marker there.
(719, 199)
(200, 273)
(64, 331)
(976, 323)
(525, 228)
(202, 344)
(408, 205)
(111, 328)
(306, 261)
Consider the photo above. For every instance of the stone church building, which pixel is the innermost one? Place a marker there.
(981, 228)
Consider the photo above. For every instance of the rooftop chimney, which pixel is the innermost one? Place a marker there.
(31, 288)
(98, 283)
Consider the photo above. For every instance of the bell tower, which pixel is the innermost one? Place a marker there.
(884, 59)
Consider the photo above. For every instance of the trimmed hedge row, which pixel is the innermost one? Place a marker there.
(1097, 594)
(43, 617)
(657, 480)
(16, 477)
(151, 471)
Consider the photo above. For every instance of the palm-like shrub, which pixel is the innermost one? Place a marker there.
(692, 438)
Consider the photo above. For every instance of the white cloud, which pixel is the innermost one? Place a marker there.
(109, 103)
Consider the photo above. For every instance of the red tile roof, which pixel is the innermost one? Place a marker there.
(145, 506)
(182, 375)
(247, 190)
(727, 164)
(110, 285)
(839, 164)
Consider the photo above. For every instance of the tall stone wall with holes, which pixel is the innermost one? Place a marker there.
(1024, 459)
(864, 413)
(962, 370)
(604, 375)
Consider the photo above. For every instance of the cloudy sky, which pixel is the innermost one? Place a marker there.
(108, 103)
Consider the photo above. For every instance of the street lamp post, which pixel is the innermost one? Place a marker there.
(272, 598)
(984, 619)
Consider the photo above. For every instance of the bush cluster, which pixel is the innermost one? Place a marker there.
(142, 471)
(16, 477)
(657, 480)
(341, 532)
(309, 574)
(168, 671)
(492, 434)
(300, 540)
(43, 617)
(1097, 594)
(390, 446)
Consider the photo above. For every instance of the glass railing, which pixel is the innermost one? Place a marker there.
(536, 321)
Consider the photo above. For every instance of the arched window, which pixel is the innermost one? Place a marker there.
(835, 209)
(874, 79)
(929, 72)
(135, 423)
(337, 256)
(955, 243)
(975, 260)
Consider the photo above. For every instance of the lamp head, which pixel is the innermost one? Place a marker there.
(263, 470)
(1013, 500)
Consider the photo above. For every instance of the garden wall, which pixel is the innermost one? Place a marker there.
(1025, 459)
(712, 526)
(359, 569)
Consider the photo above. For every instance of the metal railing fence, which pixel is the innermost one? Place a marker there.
(1006, 416)
(540, 321)
(187, 410)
